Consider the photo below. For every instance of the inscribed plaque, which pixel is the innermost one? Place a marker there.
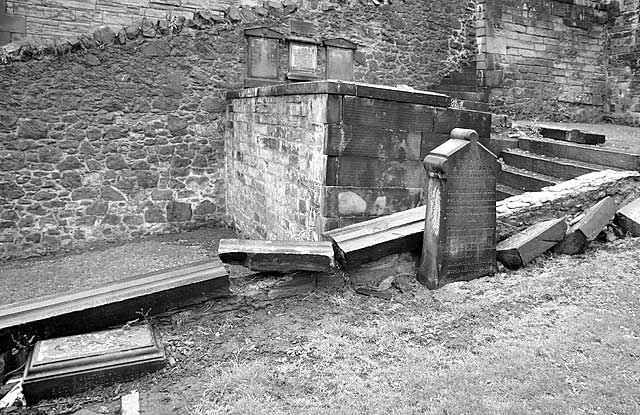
(68, 365)
(460, 228)
(303, 57)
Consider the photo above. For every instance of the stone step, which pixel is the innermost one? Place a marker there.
(581, 152)
(523, 180)
(465, 77)
(503, 191)
(463, 95)
(461, 87)
(550, 166)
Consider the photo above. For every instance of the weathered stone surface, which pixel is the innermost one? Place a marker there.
(277, 256)
(104, 35)
(522, 248)
(69, 163)
(147, 179)
(97, 208)
(148, 28)
(628, 218)
(154, 215)
(109, 193)
(178, 212)
(11, 160)
(589, 224)
(213, 104)
(32, 129)
(177, 125)
(116, 162)
(84, 193)
(460, 231)
(205, 208)
(158, 48)
(165, 104)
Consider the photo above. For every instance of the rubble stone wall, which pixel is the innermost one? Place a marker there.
(544, 58)
(117, 134)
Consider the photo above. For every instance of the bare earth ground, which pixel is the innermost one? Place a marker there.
(559, 337)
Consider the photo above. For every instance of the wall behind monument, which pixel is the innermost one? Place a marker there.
(119, 133)
(543, 58)
(624, 63)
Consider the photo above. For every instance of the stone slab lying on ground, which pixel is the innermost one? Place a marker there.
(628, 218)
(67, 365)
(575, 136)
(588, 227)
(376, 238)
(568, 198)
(401, 232)
(534, 241)
(277, 256)
(115, 303)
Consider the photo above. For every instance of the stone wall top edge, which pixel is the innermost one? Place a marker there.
(357, 89)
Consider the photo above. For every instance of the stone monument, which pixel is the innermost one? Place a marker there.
(339, 59)
(460, 229)
(262, 56)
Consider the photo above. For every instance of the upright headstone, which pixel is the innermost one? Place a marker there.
(460, 229)
(339, 59)
(262, 56)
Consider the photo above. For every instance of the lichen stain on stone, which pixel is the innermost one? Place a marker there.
(350, 203)
(380, 205)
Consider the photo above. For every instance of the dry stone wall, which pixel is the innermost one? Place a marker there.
(119, 134)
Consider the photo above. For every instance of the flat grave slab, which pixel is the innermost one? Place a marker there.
(278, 256)
(68, 365)
(575, 136)
(117, 302)
(376, 238)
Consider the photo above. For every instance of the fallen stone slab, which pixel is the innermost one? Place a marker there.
(277, 256)
(628, 218)
(573, 135)
(534, 241)
(516, 213)
(68, 365)
(376, 238)
(587, 228)
(114, 303)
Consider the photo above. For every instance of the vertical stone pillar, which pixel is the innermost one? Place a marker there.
(460, 229)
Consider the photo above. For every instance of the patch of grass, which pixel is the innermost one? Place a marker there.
(559, 337)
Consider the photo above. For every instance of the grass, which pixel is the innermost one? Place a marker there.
(561, 336)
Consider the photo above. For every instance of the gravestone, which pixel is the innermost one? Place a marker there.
(303, 59)
(339, 59)
(460, 229)
(67, 365)
(262, 56)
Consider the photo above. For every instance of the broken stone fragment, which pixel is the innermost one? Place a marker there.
(534, 241)
(277, 256)
(628, 218)
(588, 227)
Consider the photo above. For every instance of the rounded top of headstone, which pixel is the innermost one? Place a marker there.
(464, 134)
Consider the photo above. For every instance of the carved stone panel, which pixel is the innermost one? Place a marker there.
(460, 229)
(68, 365)
(303, 60)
